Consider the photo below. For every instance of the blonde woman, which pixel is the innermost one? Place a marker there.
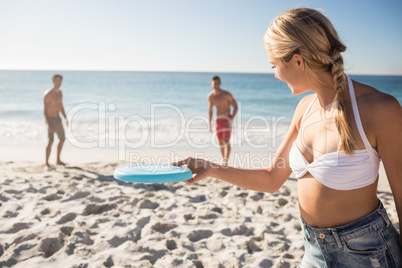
(334, 145)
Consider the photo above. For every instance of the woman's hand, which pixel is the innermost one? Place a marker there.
(200, 168)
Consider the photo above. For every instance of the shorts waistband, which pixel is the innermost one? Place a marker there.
(54, 118)
(224, 117)
(376, 219)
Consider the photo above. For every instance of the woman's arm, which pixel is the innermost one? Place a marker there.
(388, 125)
(263, 180)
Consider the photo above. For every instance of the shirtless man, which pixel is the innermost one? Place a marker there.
(222, 100)
(53, 106)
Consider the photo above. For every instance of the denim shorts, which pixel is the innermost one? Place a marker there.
(371, 241)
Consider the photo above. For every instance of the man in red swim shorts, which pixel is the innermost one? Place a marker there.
(222, 100)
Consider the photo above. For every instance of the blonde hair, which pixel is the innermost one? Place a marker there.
(309, 33)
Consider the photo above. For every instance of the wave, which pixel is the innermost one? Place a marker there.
(136, 132)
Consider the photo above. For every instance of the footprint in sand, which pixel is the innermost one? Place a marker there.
(3, 198)
(297, 226)
(288, 256)
(135, 201)
(265, 263)
(108, 262)
(188, 217)
(148, 204)
(217, 209)
(198, 264)
(78, 177)
(163, 227)
(117, 241)
(77, 195)
(223, 193)
(154, 254)
(97, 209)
(285, 191)
(120, 223)
(18, 227)
(259, 210)
(253, 245)
(82, 238)
(49, 246)
(70, 248)
(282, 202)
(66, 218)
(171, 244)
(10, 214)
(11, 191)
(52, 197)
(131, 235)
(195, 236)
(258, 196)
(45, 211)
(22, 247)
(198, 199)
(278, 245)
(8, 263)
(23, 238)
(243, 194)
(240, 230)
(208, 217)
(67, 230)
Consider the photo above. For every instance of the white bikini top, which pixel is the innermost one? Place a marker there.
(337, 170)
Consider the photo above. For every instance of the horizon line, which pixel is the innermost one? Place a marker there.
(165, 71)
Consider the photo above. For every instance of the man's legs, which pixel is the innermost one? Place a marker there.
(222, 146)
(48, 149)
(225, 150)
(59, 148)
(223, 130)
(50, 133)
(62, 138)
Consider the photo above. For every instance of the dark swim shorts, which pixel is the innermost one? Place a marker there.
(55, 123)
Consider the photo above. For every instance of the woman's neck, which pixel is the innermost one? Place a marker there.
(323, 86)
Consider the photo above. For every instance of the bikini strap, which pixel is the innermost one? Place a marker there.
(357, 115)
(308, 109)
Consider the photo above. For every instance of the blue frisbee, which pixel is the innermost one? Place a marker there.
(151, 173)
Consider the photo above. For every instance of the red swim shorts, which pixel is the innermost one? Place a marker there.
(222, 126)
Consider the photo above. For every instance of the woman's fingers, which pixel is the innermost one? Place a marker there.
(181, 162)
(196, 178)
(197, 166)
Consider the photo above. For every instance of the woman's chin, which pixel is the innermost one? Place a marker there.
(296, 91)
(293, 90)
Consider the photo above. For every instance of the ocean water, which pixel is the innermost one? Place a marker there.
(152, 109)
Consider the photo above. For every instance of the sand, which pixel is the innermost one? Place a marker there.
(80, 216)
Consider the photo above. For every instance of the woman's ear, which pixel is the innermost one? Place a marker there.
(298, 59)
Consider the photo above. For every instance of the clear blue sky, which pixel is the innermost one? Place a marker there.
(183, 35)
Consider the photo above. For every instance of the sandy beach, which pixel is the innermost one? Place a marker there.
(80, 216)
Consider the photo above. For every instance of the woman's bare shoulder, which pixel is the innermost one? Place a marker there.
(301, 108)
(377, 109)
(375, 101)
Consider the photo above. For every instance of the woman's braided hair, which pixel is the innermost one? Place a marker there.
(309, 33)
